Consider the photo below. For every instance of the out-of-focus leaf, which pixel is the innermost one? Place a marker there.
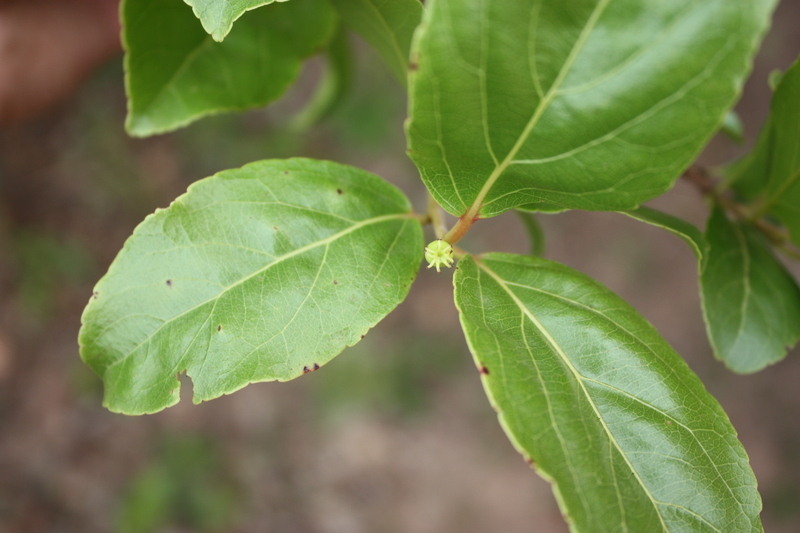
(732, 126)
(176, 73)
(783, 192)
(750, 302)
(605, 409)
(256, 274)
(594, 104)
(749, 174)
(770, 174)
(774, 78)
(535, 232)
(334, 86)
(388, 25)
(218, 16)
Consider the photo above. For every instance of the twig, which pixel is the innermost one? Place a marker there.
(699, 177)
(434, 214)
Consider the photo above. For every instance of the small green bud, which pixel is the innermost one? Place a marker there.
(438, 254)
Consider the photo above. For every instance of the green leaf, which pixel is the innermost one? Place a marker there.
(334, 87)
(388, 25)
(535, 232)
(255, 274)
(604, 407)
(218, 16)
(677, 226)
(775, 162)
(774, 78)
(733, 127)
(749, 175)
(542, 207)
(750, 302)
(175, 73)
(592, 104)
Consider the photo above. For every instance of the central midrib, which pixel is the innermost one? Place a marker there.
(474, 209)
(578, 377)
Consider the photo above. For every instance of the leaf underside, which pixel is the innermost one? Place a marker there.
(218, 16)
(605, 409)
(255, 274)
(388, 25)
(591, 104)
(175, 73)
(682, 229)
(751, 303)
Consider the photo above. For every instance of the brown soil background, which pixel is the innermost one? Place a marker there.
(395, 434)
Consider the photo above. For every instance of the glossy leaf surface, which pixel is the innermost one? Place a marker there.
(217, 16)
(254, 274)
(176, 73)
(772, 171)
(751, 303)
(677, 226)
(593, 104)
(605, 409)
(388, 25)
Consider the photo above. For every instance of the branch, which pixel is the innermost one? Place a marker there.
(700, 178)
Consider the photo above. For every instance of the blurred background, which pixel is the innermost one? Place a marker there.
(395, 434)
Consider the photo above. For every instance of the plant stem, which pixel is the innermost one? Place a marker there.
(435, 216)
(461, 228)
(700, 178)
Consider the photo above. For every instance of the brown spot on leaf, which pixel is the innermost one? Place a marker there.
(484, 370)
(335, 282)
(306, 370)
(316, 366)
(219, 328)
(413, 66)
(529, 462)
(339, 191)
(362, 336)
(94, 295)
(169, 283)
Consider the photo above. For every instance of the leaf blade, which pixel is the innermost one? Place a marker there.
(388, 25)
(783, 192)
(521, 111)
(535, 232)
(751, 304)
(682, 229)
(218, 16)
(587, 389)
(256, 274)
(176, 74)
